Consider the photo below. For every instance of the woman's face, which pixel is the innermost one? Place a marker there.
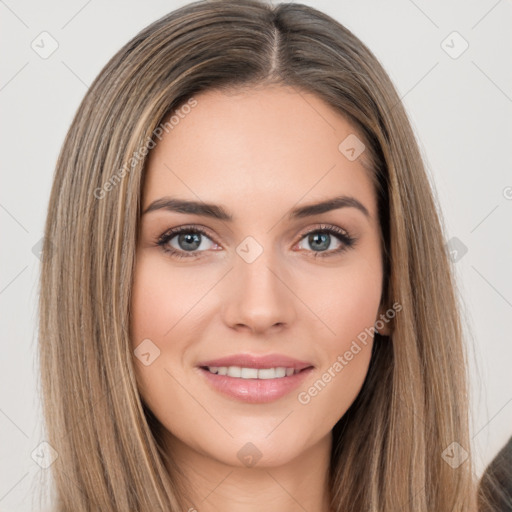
(260, 279)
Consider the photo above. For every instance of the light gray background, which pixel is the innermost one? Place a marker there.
(460, 109)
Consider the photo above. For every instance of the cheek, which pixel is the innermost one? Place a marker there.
(350, 307)
(345, 347)
(164, 309)
(155, 309)
(161, 298)
(336, 385)
(350, 314)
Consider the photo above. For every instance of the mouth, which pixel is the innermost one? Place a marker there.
(255, 385)
(239, 372)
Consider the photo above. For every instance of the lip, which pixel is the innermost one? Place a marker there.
(256, 391)
(254, 361)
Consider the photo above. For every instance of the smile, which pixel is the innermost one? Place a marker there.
(252, 373)
(252, 385)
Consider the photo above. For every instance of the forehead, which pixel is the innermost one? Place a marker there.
(257, 149)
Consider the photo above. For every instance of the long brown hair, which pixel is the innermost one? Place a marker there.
(390, 448)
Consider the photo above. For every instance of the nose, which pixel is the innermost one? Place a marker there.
(259, 296)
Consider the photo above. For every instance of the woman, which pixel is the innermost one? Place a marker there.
(246, 303)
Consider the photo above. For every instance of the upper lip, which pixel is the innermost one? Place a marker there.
(254, 361)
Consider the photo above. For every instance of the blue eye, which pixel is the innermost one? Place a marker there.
(320, 240)
(189, 240)
(193, 240)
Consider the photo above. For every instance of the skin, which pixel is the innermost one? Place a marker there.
(258, 154)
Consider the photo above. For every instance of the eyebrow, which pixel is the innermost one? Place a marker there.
(218, 212)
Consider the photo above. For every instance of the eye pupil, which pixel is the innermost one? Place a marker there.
(189, 238)
(314, 239)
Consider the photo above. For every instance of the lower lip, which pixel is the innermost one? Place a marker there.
(256, 391)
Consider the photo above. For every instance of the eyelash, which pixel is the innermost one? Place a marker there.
(346, 240)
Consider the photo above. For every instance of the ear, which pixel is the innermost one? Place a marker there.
(383, 322)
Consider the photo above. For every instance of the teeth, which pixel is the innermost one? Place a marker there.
(249, 373)
(234, 371)
(252, 373)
